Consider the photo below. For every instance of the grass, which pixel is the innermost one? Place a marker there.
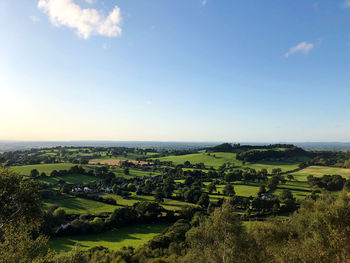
(298, 194)
(119, 172)
(269, 165)
(77, 205)
(168, 204)
(46, 168)
(319, 171)
(240, 189)
(217, 159)
(135, 235)
(214, 159)
(70, 179)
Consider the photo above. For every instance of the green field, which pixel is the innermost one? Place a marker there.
(74, 205)
(298, 194)
(269, 165)
(119, 172)
(70, 179)
(214, 159)
(134, 236)
(46, 168)
(217, 159)
(168, 204)
(319, 171)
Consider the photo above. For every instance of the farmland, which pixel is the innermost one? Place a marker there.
(214, 160)
(321, 170)
(69, 179)
(46, 168)
(135, 236)
(217, 159)
(78, 205)
(110, 196)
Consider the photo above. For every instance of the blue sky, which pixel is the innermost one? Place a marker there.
(187, 70)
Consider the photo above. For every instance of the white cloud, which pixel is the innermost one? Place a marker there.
(302, 47)
(204, 2)
(86, 22)
(89, 1)
(347, 4)
(34, 19)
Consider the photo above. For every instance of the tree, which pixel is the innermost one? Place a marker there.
(34, 173)
(262, 190)
(221, 238)
(211, 187)
(290, 177)
(273, 182)
(318, 232)
(203, 200)
(277, 171)
(158, 197)
(126, 171)
(229, 190)
(115, 188)
(19, 199)
(20, 219)
(18, 245)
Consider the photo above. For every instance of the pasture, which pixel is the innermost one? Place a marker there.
(119, 172)
(69, 179)
(168, 204)
(245, 190)
(319, 171)
(134, 235)
(76, 205)
(214, 159)
(46, 168)
(219, 158)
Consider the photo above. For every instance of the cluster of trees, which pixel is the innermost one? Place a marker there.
(232, 147)
(256, 155)
(328, 182)
(331, 158)
(142, 212)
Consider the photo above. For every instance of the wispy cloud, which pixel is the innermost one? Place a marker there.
(34, 19)
(302, 47)
(86, 22)
(204, 2)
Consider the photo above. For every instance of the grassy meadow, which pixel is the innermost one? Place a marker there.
(76, 205)
(134, 235)
(319, 171)
(168, 204)
(70, 179)
(46, 168)
(219, 158)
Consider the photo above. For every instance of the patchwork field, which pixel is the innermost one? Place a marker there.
(119, 172)
(81, 206)
(214, 159)
(217, 159)
(46, 168)
(168, 204)
(117, 162)
(320, 171)
(135, 236)
(70, 179)
(240, 189)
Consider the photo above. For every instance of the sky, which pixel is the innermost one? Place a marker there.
(186, 70)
